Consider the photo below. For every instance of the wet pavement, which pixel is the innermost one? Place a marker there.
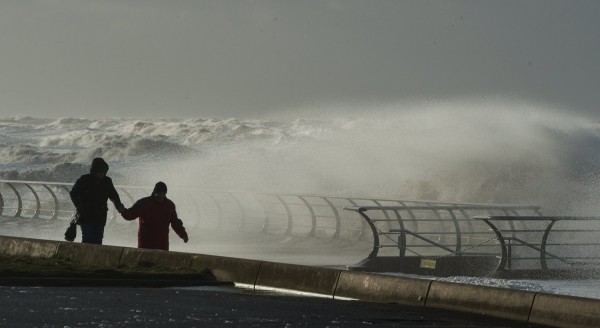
(212, 307)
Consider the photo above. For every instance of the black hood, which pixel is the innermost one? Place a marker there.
(98, 165)
(159, 187)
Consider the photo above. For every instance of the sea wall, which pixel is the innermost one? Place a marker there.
(526, 306)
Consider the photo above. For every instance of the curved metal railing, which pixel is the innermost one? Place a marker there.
(288, 215)
(432, 229)
(549, 243)
(511, 237)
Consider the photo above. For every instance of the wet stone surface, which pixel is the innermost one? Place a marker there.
(211, 307)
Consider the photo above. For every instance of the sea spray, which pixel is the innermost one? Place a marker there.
(459, 152)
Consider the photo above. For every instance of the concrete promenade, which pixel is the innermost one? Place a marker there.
(213, 307)
(385, 300)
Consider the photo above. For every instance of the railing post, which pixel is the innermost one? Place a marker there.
(458, 232)
(469, 224)
(375, 249)
(543, 263)
(313, 228)
(338, 221)
(503, 246)
(36, 213)
(363, 224)
(402, 237)
(290, 221)
(1, 200)
(56, 205)
(19, 201)
(413, 218)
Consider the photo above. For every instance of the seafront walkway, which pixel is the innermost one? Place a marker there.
(214, 307)
(299, 296)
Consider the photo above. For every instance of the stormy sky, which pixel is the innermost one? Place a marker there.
(253, 58)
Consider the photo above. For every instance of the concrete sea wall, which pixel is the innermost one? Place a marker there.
(539, 308)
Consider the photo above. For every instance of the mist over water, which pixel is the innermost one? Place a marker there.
(479, 152)
(505, 152)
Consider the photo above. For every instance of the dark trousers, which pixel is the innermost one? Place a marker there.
(91, 234)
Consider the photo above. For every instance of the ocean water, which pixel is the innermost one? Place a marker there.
(514, 155)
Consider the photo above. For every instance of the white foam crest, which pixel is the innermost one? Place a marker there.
(84, 133)
(505, 152)
(462, 153)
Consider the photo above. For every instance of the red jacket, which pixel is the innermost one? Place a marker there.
(155, 218)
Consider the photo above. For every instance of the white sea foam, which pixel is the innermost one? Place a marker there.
(464, 152)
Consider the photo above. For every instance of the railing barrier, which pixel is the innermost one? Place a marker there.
(422, 237)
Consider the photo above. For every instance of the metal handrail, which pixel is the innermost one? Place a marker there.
(26, 200)
(541, 246)
(431, 230)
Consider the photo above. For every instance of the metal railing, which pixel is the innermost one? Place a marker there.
(433, 229)
(547, 242)
(515, 236)
(284, 214)
(514, 239)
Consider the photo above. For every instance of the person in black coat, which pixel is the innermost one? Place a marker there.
(90, 194)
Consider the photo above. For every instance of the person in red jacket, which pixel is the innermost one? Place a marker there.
(156, 213)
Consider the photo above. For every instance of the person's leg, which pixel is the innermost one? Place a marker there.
(91, 234)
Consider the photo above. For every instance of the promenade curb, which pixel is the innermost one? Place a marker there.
(525, 306)
(382, 288)
(227, 268)
(89, 254)
(17, 246)
(499, 302)
(298, 277)
(565, 311)
(135, 257)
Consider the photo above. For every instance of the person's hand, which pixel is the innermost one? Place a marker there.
(120, 208)
(185, 239)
